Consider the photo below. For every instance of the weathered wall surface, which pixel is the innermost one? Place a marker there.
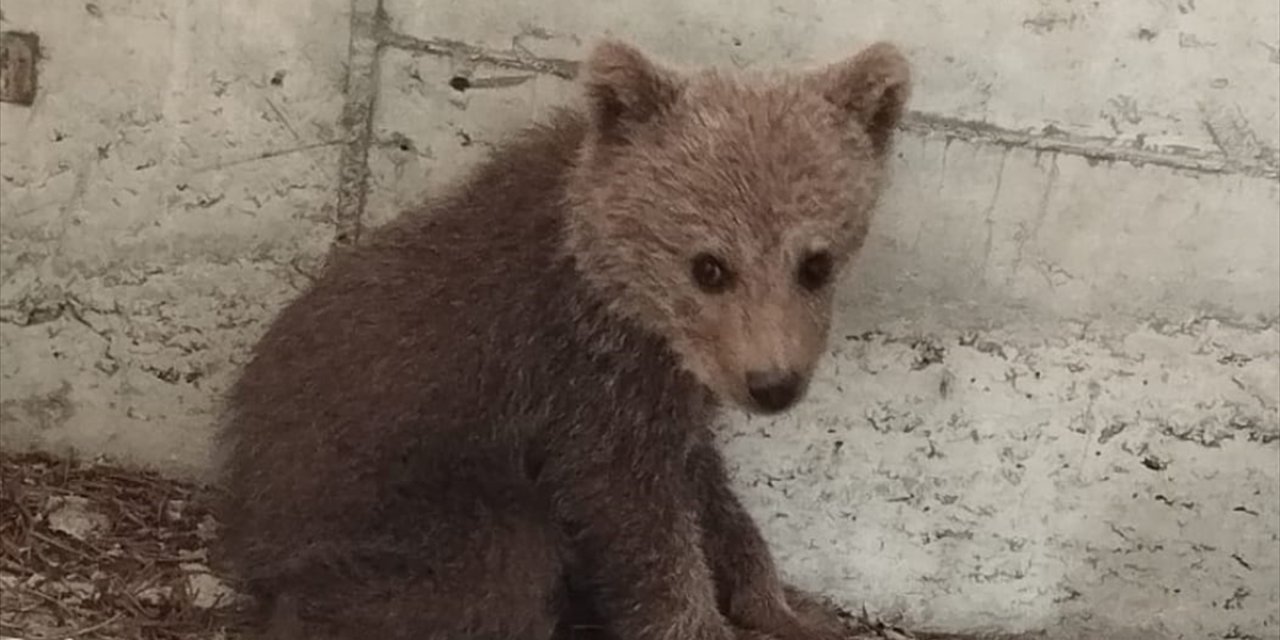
(162, 196)
(1053, 396)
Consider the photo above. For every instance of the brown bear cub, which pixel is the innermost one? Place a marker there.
(494, 413)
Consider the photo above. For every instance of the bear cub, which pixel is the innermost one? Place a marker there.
(491, 418)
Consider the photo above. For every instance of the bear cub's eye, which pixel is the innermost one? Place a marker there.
(815, 270)
(710, 273)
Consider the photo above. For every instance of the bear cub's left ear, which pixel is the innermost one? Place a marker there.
(626, 88)
(870, 89)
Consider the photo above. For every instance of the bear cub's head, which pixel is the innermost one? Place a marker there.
(719, 211)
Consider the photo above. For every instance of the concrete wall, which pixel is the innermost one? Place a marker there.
(1053, 396)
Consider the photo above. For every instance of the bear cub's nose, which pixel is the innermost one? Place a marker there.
(774, 390)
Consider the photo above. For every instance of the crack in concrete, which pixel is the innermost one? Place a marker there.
(516, 58)
(1092, 148)
(988, 219)
(27, 312)
(499, 82)
(356, 121)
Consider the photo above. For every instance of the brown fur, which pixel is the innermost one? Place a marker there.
(496, 410)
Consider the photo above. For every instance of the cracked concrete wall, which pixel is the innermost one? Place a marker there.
(165, 193)
(1052, 401)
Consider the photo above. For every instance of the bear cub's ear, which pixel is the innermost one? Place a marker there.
(625, 88)
(870, 89)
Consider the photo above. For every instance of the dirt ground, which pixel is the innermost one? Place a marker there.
(93, 551)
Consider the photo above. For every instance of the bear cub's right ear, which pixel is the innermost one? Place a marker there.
(871, 89)
(625, 88)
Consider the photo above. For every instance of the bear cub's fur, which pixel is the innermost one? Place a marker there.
(493, 414)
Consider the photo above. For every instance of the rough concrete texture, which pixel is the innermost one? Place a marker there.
(1193, 79)
(1093, 480)
(1054, 395)
(161, 198)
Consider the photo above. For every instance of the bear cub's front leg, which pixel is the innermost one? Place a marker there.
(749, 589)
(636, 538)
